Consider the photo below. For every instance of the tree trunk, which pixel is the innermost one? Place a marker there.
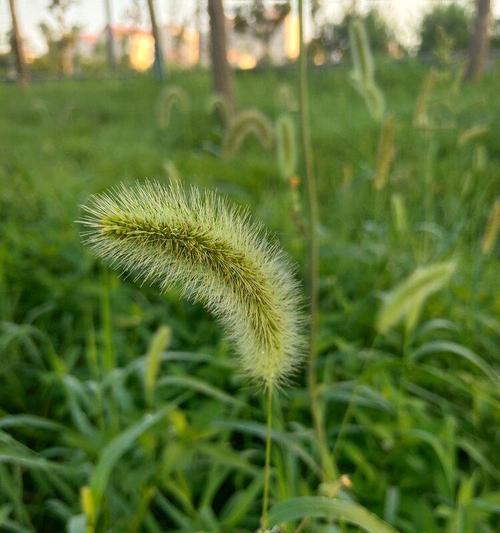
(220, 68)
(22, 71)
(110, 44)
(479, 41)
(159, 61)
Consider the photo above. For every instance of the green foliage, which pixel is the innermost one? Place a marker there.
(445, 21)
(412, 417)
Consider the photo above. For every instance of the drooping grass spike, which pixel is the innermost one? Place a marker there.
(361, 53)
(217, 103)
(492, 228)
(472, 133)
(421, 117)
(385, 153)
(363, 74)
(286, 144)
(286, 98)
(407, 298)
(166, 235)
(245, 123)
(375, 101)
(399, 216)
(170, 97)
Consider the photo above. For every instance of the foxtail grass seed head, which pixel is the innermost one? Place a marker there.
(363, 74)
(216, 103)
(166, 235)
(171, 171)
(286, 143)
(492, 228)
(407, 299)
(170, 97)
(399, 216)
(374, 100)
(480, 158)
(361, 52)
(472, 133)
(245, 123)
(385, 153)
(421, 117)
(88, 506)
(287, 98)
(158, 345)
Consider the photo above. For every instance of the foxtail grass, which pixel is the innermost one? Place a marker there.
(406, 299)
(385, 153)
(250, 122)
(170, 97)
(480, 158)
(327, 462)
(492, 228)
(472, 133)
(216, 103)
(363, 74)
(399, 216)
(286, 144)
(421, 117)
(166, 235)
(286, 98)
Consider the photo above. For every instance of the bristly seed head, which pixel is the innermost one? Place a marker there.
(165, 235)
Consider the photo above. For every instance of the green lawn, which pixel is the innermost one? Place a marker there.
(412, 417)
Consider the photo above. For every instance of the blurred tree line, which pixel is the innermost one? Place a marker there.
(447, 30)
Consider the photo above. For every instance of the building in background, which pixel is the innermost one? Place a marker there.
(186, 47)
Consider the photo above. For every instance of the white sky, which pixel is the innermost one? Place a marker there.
(404, 15)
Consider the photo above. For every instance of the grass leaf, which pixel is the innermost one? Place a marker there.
(320, 507)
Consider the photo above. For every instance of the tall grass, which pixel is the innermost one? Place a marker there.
(410, 416)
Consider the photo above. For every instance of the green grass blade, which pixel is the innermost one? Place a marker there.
(114, 450)
(412, 292)
(158, 345)
(198, 385)
(320, 507)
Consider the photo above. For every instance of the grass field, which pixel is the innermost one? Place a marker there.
(412, 417)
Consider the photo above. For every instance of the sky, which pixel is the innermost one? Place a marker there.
(404, 15)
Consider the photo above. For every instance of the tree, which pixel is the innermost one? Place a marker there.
(263, 22)
(109, 36)
(478, 50)
(450, 23)
(17, 45)
(221, 74)
(61, 38)
(159, 60)
(334, 38)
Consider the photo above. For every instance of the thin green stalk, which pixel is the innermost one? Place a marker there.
(264, 522)
(328, 466)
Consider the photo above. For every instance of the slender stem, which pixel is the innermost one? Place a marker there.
(328, 466)
(264, 522)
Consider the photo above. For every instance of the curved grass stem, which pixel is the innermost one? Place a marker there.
(328, 466)
(267, 468)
